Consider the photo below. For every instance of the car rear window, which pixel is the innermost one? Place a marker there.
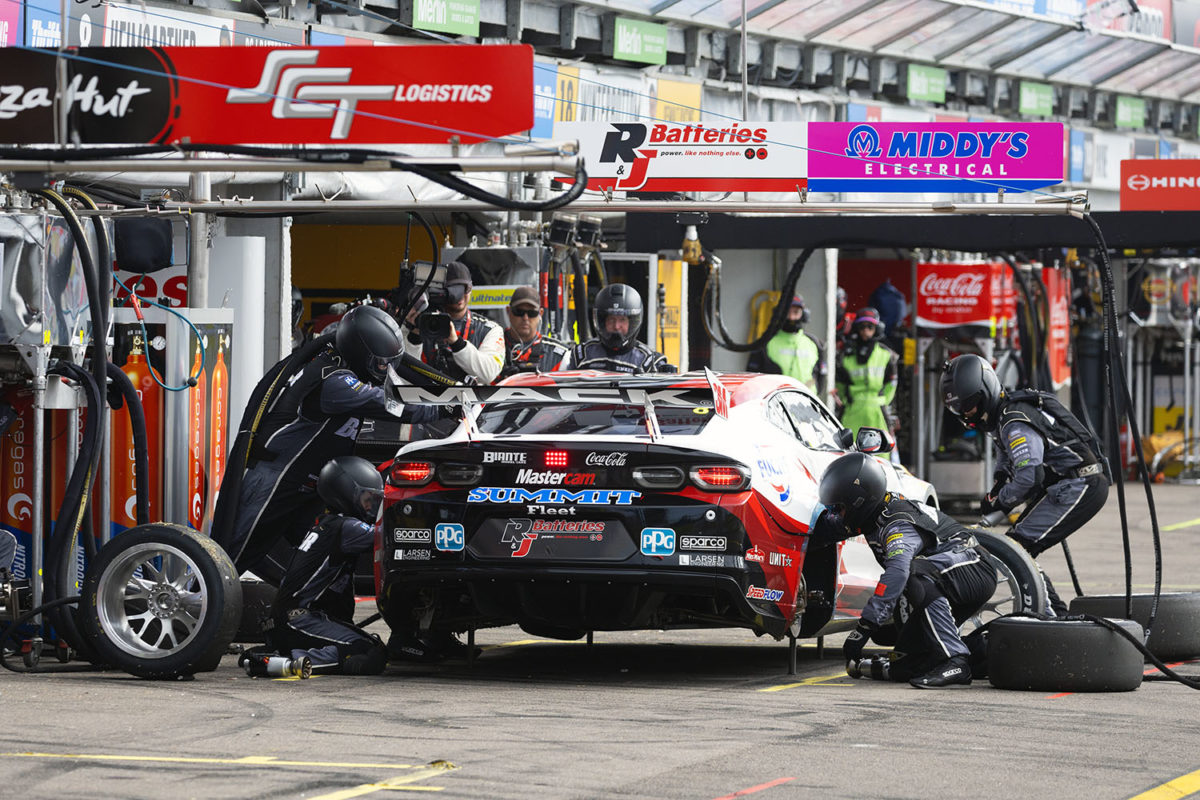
(601, 419)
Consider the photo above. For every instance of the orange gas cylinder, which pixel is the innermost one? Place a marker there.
(196, 436)
(16, 456)
(123, 480)
(219, 423)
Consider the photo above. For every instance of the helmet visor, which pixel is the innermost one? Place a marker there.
(368, 499)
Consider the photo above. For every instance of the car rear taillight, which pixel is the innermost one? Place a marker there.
(459, 474)
(556, 458)
(411, 473)
(658, 477)
(723, 478)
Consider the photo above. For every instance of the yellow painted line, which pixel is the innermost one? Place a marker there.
(1180, 787)
(818, 680)
(399, 783)
(245, 761)
(295, 678)
(1176, 526)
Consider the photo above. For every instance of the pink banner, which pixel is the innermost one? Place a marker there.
(934, 156)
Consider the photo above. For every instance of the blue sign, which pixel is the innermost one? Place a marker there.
(43, 23)
(1078, 156)
(658, 542)
(545, 78)
(449, 537)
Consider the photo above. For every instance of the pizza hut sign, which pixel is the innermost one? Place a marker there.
(952, 295)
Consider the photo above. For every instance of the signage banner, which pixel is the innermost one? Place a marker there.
(953, 295)
(545, 75)
(934, 156)
(1036, 99)
(43, 23)
(635, 40)
(690, 157)
(121, 25)
(926, 83)
(1131, 112)
(1058, 335)
(11, 33)
(266, 95)
(677, 101)
(1160, 184)
(448, 16)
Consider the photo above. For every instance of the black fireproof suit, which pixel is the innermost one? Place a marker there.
(592, 354)
(931, 563)
(315, 417)
(312, 612)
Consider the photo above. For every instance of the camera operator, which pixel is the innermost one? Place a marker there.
(453, 340)
(525, 347)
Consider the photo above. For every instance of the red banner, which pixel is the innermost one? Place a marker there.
(1058, 334)
(260, 95)
(1160, 184)
(954, 295)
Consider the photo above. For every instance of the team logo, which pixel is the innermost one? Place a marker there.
(863, 142)
(702, 543)
(450, 537)
(658, 542)
(756, 554)
(759, 593)
(504, 457)
(401, 535)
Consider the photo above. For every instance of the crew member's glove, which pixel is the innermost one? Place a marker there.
(852, 648)
(987, 505)
(452, 411)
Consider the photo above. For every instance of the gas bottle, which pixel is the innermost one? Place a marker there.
(124, 485)
(16, 456)
(197, 401)
(220, 411)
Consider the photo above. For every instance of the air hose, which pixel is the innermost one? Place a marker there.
(710, 304)
(1121, 400)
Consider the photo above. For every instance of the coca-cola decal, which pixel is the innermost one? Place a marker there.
(606, 459)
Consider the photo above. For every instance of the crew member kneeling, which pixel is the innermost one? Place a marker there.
(927, 557)
(314, 610)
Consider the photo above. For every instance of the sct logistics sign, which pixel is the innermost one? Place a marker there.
(261, 95)
(933, 156)
(1160, 184)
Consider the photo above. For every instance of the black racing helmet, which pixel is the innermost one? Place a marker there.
(621, 300)
(855, 484)
(972, 392)
(351, 485)
(369, 339)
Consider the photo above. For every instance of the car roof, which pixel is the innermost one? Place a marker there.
(743, 387)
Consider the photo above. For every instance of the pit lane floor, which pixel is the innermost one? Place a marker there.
(691, 714)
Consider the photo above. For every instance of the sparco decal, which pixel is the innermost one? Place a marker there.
(401, 535)
(502, 457)
(587, 497)
(759, 593)
(549, 478)
(606, 459)
(702, 543)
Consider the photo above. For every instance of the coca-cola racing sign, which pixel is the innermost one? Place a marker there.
(950, 295)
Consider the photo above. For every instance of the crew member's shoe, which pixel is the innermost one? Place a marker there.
(404, 646)
(952, 672)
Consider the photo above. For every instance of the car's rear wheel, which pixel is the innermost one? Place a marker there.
(1019, 585)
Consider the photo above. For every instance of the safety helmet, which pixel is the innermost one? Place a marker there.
(855, 484)
(297, 306)
(369, 339)
(351, 485)
(867, 316)
(972, 392)
(791, 326)
(620, 300)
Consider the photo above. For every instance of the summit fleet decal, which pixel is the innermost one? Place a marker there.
(587, 497)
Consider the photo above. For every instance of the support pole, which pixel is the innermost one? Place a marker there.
(200, 185)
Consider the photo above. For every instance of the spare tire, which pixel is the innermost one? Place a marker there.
(1062, 655)
(161, 601)
(1176, 634)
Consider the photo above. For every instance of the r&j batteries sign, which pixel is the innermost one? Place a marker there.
(933, 156)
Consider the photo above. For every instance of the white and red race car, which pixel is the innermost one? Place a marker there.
(578, 501)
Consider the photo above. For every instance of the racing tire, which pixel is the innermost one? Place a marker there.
(1062, 655)
(257, 597)
(1019, 584)
(1176, 634)
(161, 601)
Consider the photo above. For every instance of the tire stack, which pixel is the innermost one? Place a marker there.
(1063, 655)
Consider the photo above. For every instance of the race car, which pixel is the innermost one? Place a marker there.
(579, 501)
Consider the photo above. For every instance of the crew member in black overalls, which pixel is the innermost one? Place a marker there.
(525, 348)
(928, 559)
(315, 417)
(313, 613)
(617, 319)
(1046, 457)
(475, 346)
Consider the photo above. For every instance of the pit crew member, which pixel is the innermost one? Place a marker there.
(475, 344)
(617, 318)
(525, 348)
(866, 375)
(793, 352)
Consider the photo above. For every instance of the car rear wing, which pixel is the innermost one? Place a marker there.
(648, 396)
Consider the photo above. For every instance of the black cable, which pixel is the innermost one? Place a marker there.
(103, 265)
(433, 244)
(785, 299)
(581, 294)
(475, 193)
(1114, 365)
(141, 455)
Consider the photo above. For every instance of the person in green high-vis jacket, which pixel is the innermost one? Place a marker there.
(793, 352)
(866, 375)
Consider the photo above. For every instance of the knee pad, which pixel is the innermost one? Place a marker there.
(921, 589)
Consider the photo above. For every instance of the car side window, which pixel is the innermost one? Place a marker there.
(814, 427)
(777, 415)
